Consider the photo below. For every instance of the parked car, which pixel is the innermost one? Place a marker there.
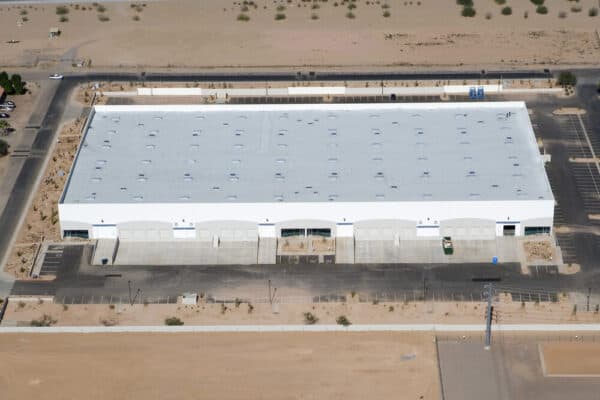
(6, 108)
(9, 103)
(4, 115)
(56, 77)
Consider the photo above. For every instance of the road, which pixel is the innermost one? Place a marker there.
(166, 281)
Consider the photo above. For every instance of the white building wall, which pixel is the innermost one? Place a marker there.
(423, 213)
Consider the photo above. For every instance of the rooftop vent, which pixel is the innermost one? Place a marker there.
(153, 133)
(158, 117)
(471, 173)
(101, 162)
(106, 146)
(150, 146)
(279, 176)
(187, 177)
(426, 196)
(380, 196)
(138, 197)
(376, 131)
(280, 161)
(425, 174)
(379, 176)
(332, 132)
(232, 197)
(461, 131)
(282, 132)
(278, 197)
(393, 186)
(419, 131)
(112, 132)
(123, 188)
(194, 146)
(331, 116)
(199, 116)
(196, 132)
(215, 188)
(96, 179)
(91, 197)
(233, 177)
(284, 116)
(141, 178)
(239, 132)
(332, 197)
(377, 159)
(238, 146)
(184, 197)
(236, 161)
(332, 160)
(146, 162)
(192, 161)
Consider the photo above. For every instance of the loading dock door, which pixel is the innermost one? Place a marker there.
(508, 230)
(104, 231)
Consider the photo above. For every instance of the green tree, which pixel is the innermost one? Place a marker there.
(8, 87)
(3, 148)
(5, 126)
(18, 83)
(567, 78)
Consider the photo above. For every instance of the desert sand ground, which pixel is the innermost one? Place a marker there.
(219, 366)
(19, 312)
(191, 33)
(574, 359)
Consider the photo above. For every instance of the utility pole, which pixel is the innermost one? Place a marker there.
(488, 320)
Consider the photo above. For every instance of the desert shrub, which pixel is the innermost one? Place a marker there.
(468, 12)
(244, 9)
(500, 2)
(593, 12)
(488, 15)
(173, 321)
(314, 16)
(310, 318)
(100, 8)
(343, 320)
(280, 8)
(279, 16)
(506, 11)
(315, 6)
(567, 78)
(385, 6)
(465, 3)
(23, 12)
(25, 19)
(135, 18)
(562, 14)
(350, 15)
(351, 6)
(243, 17)
(576, 9)
(542, 10)
(386, 14)
(44, 320)
(537, 2)
(63, 19)
(62, 10)
(103, 18)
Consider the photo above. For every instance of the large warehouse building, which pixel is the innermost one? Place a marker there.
(214, 175)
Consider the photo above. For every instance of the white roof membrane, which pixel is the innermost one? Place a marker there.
(308, 153)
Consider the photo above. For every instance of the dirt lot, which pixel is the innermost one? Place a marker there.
(23, 312)
(218, 366)
(190, 33)
(570, 359)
